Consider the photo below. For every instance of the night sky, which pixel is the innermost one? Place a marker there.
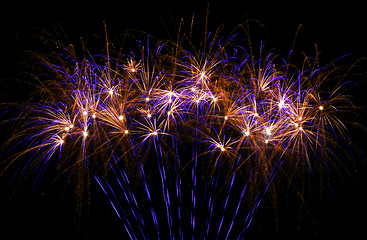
(338, 28)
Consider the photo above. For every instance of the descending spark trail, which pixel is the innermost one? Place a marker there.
(184, 144)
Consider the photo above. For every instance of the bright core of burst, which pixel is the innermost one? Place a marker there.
(202, 75)
(281, 104)
(221, 147)
(268, 131)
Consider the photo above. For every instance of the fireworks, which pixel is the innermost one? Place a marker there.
(184, 144)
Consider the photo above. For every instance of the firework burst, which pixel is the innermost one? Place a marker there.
(184, 144)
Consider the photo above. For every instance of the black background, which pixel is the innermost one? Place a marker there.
(337, 27)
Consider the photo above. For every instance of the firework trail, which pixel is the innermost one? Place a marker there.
(184, 143)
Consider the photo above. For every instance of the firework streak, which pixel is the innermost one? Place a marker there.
(183, 143)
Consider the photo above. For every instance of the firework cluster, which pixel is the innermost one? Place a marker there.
(243, 102)
(184, 143)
